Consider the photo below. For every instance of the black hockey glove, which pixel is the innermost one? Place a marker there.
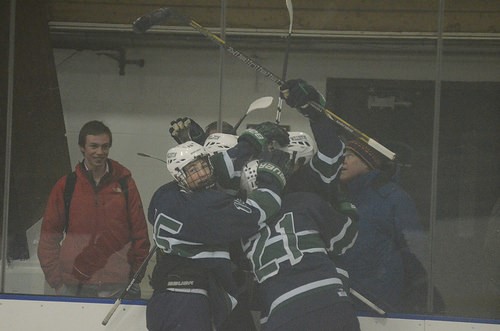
(185, 129)
(297, 93)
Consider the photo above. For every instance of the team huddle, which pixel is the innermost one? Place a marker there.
(253, 223)
(253, 233)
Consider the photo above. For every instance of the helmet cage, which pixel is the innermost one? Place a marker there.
(248, 180)
(180, 156)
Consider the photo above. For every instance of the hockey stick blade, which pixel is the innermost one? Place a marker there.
(144, 23)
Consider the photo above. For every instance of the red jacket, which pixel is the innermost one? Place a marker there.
(105, 243)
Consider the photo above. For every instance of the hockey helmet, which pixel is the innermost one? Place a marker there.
(301, 147)
(217, 142)
(182, 155)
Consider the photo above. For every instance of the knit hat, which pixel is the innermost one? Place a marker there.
(367, 154)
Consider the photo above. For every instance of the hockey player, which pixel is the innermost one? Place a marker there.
(310, 214)
(193, 226)
(321, 169)
(317, 162)
(298, 286)
(316, 175)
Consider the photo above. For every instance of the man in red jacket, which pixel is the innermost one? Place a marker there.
(95, 249)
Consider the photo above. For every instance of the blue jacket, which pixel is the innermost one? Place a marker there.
(387, 217)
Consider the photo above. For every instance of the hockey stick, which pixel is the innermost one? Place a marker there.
(285, 63)
(125, 291)
(260, 103)
(368, 302)
(143, 23)
(151, 156)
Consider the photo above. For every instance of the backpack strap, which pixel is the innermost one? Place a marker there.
(68, 194)
(70, 187)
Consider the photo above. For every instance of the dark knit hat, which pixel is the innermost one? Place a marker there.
(367, 154)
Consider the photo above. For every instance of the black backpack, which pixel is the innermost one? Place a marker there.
(70, 187)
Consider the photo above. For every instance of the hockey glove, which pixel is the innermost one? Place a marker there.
(279, 158)
(343, 205)
(273, 132)
(255, 139)
(185, 129)
(297, 93)
(273, 169)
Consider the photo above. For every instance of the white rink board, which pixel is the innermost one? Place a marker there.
(392, 324)
(400, 324)
(462, 326)
(27, 315)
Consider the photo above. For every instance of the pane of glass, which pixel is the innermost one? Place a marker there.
(428, 224)
(465, 267)
(467, 193)
(388, 263)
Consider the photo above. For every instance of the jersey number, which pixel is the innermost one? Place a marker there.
(269, 250)
(167, 224)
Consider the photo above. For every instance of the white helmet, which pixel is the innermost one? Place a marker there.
(217, 142)
(180, 156)
(301, 146)
(249, 176)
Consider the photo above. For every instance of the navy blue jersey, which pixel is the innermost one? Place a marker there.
(194, 230)
(206, 216)
(290, 261)
(320, 175)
